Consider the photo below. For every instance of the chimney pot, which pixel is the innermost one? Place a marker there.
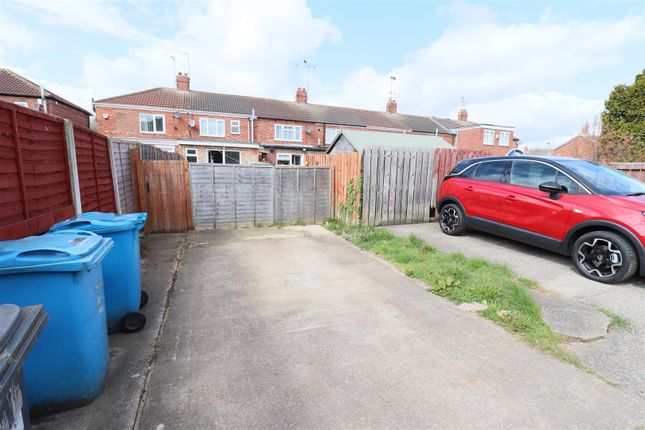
(301, 95)
(462, 115)
(391, 106)
(183, 81)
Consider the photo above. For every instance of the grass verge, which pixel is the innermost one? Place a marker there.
(617, 322)
(463, 280)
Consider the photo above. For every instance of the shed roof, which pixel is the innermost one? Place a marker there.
(362, 140)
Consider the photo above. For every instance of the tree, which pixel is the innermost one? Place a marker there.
(623, 122)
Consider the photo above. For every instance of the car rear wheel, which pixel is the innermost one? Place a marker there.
(452, 220)
(604, 256)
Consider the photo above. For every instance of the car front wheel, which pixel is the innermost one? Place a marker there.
(452, 220)
(604, 256)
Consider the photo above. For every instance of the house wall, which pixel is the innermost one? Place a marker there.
(473, 139)
(54, 108)
(584, 147)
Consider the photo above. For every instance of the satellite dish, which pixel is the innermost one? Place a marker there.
(191, 123)
(308, 130)
(176, 115)
(515, 153)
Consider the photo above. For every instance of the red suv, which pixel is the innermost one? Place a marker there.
(574, 207)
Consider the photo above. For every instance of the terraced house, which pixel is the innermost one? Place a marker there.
(219, 128)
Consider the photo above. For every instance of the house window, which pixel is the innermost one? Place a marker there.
(289, 159)
(211, 127)
(330, 135)
(235, 126)
(489, 137)
(291, 133)
(152, 123)
(224, 157)
(504, 138)
(23, 104)
(191, 155)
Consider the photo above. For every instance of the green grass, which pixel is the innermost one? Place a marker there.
(617, 322)
(463, 280)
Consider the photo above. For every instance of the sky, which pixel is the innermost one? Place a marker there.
(543, 67)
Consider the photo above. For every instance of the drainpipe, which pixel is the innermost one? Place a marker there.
(252, 121)
(42, 97)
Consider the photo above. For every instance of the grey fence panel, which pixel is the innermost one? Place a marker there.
(123, 173)
(237, 196)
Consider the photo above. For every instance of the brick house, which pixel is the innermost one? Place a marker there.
(21, 91)
(584, 146)
(232, 129)
(494, 139)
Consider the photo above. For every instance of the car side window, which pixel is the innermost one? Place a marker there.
(492, 171)
(571, 186)
(531, 174)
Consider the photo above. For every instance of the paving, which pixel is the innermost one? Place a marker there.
(116, 408)
(571, 304)
(295, 328)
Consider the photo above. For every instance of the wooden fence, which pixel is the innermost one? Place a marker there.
(400, 185)
(344, 167)
(238, 196)
(163, 191)
(637, 170)
(49, 171)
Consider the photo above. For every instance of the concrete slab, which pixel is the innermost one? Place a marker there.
(572, 318)
(117, 406)
(624, 362)
(294, 328)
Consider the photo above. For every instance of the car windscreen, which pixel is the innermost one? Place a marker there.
(606, 180)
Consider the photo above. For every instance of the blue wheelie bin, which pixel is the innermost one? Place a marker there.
(121, 268)
(19, 329)
(61, 271)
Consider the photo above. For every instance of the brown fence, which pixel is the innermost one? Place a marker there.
(637, 170)
(163, 190)
(344, 167)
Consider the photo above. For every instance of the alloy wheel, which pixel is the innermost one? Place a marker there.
(600, 257)
(449, 219)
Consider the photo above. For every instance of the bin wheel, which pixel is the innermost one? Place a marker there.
(133, 322)
(144, 299)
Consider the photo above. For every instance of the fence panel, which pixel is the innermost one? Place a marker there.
(344, 167)
(237, 196)
(35, 189)
(123, 173)
(94, 170)
(637, 170)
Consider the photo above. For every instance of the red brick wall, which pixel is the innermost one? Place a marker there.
(473, 139)
(59, 109)
(584, 147)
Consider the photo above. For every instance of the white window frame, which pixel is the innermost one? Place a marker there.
(23, 104)
(329, 138)
(224, 152)
(205, 131)
(289, 156)
(235, 123)
(504, 138)
(280, 136)
(187, 154)
(489, 133)
(154, 123)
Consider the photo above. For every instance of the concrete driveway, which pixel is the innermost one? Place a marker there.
(620, 355)
(294, 328)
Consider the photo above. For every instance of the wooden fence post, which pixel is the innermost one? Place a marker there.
(115, 184)
(73, 167)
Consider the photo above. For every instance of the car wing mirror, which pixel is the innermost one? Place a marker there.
(553, 188)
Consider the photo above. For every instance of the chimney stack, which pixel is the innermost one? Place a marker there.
(183, 82)
(391, 106)
(462, 115)
(301, 95)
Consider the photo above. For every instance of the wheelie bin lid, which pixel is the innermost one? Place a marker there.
(103, 222)
(64, 251)
(19, 329)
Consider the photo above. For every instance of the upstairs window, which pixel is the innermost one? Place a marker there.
(149, 123)
(235, 126)
(291, 133)
(330, 135)
(211, 127)
(504, 138)
(23, 104)
(489, 137)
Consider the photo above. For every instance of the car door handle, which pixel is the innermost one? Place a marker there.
(510, 198)
(470, 188)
